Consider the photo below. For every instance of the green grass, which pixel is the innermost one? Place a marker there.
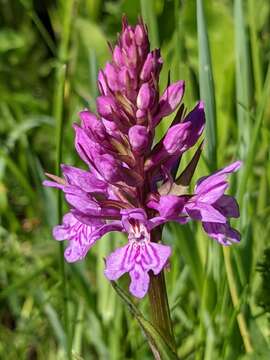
(48, 68)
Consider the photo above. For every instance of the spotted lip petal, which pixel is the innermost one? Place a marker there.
(137, 260)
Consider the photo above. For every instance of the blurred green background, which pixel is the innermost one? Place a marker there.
(49, 55)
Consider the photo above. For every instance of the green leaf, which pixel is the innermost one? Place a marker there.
(159, 346)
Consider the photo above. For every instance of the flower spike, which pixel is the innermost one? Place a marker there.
(130, 185)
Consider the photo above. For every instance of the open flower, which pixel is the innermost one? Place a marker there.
(130, 185)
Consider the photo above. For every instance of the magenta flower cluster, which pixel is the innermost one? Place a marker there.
(130, 185)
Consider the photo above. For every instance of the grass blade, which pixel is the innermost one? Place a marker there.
(207, 88)
(58, 106)
(149, 17)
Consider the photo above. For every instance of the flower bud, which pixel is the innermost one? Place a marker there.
(117, 56)
(90, 122)
(106, 107)
(108, 167)
(176, 137)
(171, 98)
(151, 66)
(112, 77)
(139, 34)
(197, 120)
(139, 138)
(145, 97)
(102, 83)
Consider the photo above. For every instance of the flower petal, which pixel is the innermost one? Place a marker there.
(204, 212)
(228, 206)
(139, 281)
(170, 205)
(79, 236)
(223, 233)
(212, 191)
(119, 262)
(129, 215)
(155, 257)
(85, 180)
(208, 181)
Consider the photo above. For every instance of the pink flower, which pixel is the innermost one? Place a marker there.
(129, 184)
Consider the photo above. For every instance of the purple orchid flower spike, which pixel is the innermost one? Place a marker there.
(130, 185)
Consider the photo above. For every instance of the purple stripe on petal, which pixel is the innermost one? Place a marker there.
(115, 263)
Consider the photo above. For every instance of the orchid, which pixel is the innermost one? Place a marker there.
(130, 185)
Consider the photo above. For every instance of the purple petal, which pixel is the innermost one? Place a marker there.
(109, 167)
(230, 168)
(79, 236)
(204, 212)
(171, 205)
(102, 83)
(106, 228)
(223, 233)
(85, 180)
(139, 282)
(84, 204)
(86, 148)
(205, 182)
(211, 191)
(155, 257)
(129, 215)
(197, 120)
(117, 56)
(228, 206)
(119, 262)
(62, 232)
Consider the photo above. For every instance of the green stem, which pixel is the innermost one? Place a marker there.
(159, 305)
(58, 107)
(243, 328)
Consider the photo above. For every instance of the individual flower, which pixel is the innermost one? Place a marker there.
(129, 184)
(213, 208)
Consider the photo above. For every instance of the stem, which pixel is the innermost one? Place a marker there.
(243, 328)
(159, 305)
(58, 109)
